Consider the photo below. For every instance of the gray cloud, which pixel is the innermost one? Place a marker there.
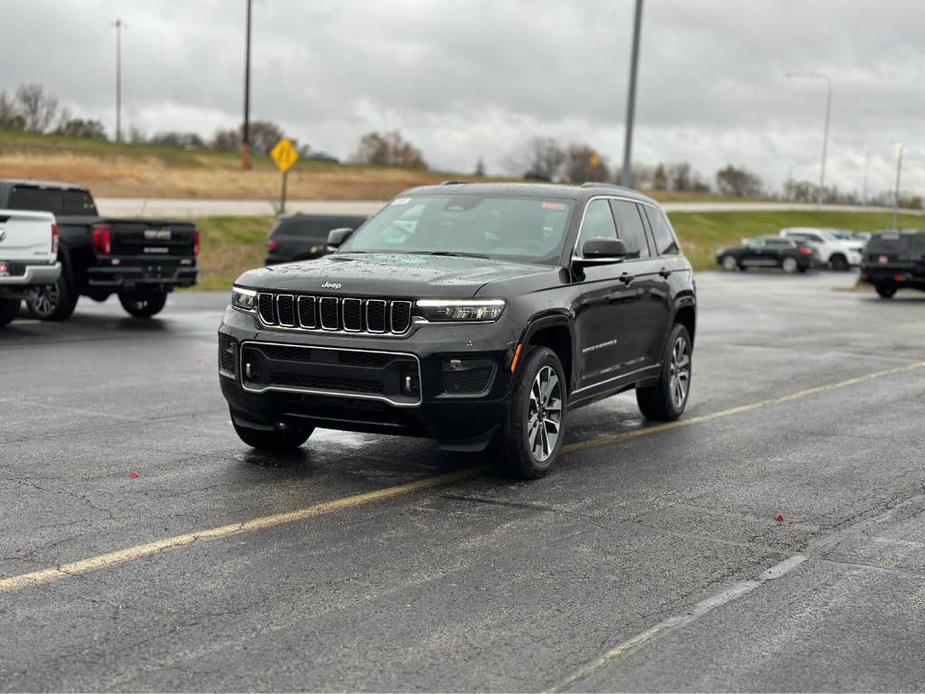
(471, 78)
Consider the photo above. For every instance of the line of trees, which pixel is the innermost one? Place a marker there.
(31, 109)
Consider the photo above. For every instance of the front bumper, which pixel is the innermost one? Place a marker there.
(447, 382)
(32, 275)
(130, 273)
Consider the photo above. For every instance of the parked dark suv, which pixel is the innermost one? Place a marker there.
(475, 314)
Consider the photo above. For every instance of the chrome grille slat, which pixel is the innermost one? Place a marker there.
(349, 314)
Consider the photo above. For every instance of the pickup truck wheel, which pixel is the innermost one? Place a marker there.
(886, 291)
(9, 309)
(143, 306)
(53, 302)
(665, 401)
(530, 442)
(275, 441)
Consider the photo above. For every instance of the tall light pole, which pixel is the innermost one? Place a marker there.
(245, 132)
(119, 25)
(899, 168)
(866, 172)
(825, 132)
(627, 177)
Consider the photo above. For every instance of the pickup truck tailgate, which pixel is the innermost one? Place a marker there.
(26, 237)
(152, 238)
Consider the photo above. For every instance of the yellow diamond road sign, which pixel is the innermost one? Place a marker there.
(284, 155)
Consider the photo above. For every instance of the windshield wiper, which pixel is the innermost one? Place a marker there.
(452, 254)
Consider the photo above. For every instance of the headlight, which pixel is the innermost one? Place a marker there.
(244, 299)
(460, 310)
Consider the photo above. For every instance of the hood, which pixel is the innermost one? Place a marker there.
(381, 274)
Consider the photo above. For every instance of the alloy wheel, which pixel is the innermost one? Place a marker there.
(680, 372)
(544, 417)
(44, 300)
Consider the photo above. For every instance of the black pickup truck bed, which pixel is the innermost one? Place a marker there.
(893, 261)
(140, 260)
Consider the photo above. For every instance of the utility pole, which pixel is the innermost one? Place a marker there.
(119, 26)
(245, 133)
(866, 172)
(627, 178)
(899, 168)
(825, 130)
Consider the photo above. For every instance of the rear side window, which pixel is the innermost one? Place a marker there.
(598, 223)
(630, 228)
(665, 241)
(75, 203)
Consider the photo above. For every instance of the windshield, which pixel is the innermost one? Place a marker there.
(523, 229)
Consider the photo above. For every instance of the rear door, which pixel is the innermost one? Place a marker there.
(604, 307)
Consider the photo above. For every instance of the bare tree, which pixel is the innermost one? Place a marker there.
(38, 109)
(540, 158)
(10, 116)
(660, 178)
(739, 182)
(583, 163)
(79, 127)
(388, 149)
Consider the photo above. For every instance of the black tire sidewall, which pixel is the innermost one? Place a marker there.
(155, 304)
(519, 459)
(9, 309)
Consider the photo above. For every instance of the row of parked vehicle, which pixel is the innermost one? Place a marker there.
(889, 260)
(55, 248)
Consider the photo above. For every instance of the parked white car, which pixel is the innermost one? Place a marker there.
(831, 246)
(28, 257)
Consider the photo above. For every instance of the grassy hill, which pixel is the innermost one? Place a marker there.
(231, 245)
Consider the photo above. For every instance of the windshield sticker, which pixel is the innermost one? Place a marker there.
(553, 205)
(401, 201)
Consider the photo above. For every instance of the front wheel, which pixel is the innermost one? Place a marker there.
(53, 302)
(886, 291)
(275, 440)
(530, 441)
(9, 309)
(143, 305)
(666, 400)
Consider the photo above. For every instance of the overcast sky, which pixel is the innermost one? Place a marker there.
(469, 78)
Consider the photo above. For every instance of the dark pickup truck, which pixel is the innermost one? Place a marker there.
(894, 260)
(140, 260)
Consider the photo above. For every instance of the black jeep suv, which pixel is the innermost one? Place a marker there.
(475, 314)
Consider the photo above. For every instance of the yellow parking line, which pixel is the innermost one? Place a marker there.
(104, 561)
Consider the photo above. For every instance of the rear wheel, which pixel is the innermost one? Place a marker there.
(9, 309)
(730, 264)
(143, 305)
(886, 291)
(530, 441)
(790, 265)
(53, 302)
(275, 440)
(666, 400)
(839, 263)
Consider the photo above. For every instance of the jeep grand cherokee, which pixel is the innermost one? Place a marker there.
(475, 314)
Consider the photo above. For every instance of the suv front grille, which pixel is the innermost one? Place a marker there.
(334, 313)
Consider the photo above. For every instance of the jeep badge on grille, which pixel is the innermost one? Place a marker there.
(331, 285)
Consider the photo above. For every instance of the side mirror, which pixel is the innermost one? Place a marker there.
(337, 236)
(600, 251)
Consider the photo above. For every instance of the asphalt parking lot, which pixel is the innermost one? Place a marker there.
(144, 547)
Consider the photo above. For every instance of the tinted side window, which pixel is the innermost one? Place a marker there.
(598, 223)
(630, 228)
(36, 200)
(665, 242)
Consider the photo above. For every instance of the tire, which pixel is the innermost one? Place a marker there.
(9, 309)
(275, 441)
(53, 302)
(729, 263)
(886, 291)
(839, 263)
(530, 441)
(143, 305)
(790, 265)
(666, 400)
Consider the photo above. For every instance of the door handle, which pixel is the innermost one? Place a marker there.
(665, 273)
(626, 278)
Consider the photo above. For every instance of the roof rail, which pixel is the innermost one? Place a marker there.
(600, 184)
(454, 183)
